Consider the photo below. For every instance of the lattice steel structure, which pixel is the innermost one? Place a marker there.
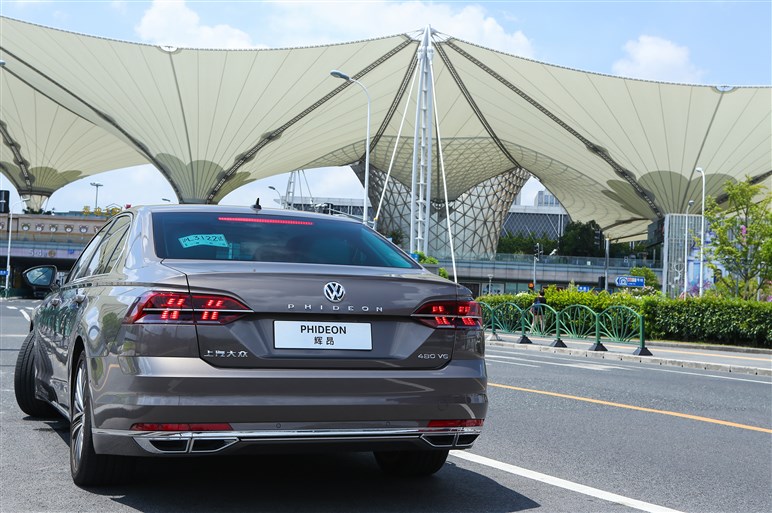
(476, 216)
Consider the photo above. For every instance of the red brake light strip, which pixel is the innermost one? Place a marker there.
(264, 220)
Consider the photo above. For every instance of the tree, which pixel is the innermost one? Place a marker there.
(623, 249)
(397, 236)
(524, 244)
(425, 259)
(582, 239)
(649, 276)
(740, 239)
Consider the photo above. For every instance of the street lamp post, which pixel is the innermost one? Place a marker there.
(10, 232)
(96, 185)
(686, 245)
(339, 74)
(8, 254)
(702, 229)
(281, 200)
(605, 265)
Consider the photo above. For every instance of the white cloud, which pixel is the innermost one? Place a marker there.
(120, 6)
(140, 185)
(173, 23)
(286, 24)
(292, 23)
(23, 3)
(654, 58)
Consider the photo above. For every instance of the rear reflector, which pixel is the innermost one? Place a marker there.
(450, 314)
(456, 423)
(178, 308)
(216, 426)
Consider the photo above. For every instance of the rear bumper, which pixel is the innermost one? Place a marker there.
(181, 443)
(281, 410)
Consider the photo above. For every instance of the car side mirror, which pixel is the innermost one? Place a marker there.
(41, 277)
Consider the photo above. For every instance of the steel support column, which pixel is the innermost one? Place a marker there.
(420, 194)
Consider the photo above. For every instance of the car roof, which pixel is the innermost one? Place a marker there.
(238, 209)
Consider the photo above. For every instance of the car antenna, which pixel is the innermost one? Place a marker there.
(257, 206)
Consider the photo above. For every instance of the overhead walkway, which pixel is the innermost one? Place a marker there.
(520, 269)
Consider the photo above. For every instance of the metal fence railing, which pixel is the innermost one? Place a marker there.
(619, 324)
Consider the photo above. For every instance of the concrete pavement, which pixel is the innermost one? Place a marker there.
(739, 360)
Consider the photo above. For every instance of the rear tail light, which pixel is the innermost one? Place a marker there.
(179, 308)
(450, 314)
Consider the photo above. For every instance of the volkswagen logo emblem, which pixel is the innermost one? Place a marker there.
(334, 291)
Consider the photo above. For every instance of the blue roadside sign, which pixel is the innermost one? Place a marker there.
(630, 281)
(583, 288)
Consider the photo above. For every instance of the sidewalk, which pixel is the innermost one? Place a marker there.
(739, 360)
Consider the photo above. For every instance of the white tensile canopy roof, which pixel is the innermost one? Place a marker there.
(619, 151)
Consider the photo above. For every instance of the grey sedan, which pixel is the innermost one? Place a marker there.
(200, 330)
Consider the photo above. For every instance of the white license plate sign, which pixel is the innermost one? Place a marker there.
(322, 335)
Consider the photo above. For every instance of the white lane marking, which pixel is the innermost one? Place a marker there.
(489, 360)
(712, 376)
(638, 369)
(11, 307)
(590, 366)
(25, 314)
(562, 483)
(547, 356)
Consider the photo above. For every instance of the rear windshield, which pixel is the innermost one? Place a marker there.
(256, 238)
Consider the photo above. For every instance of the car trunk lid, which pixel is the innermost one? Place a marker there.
(322, 316)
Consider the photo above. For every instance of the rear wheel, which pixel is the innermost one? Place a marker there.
(411, 463)
(86, 466)
(24, 382)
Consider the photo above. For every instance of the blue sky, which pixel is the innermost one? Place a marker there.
(702, 42)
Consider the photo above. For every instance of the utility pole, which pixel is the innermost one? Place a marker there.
(605, 267)
(537, 253)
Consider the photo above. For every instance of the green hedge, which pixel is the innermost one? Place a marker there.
(707, 319)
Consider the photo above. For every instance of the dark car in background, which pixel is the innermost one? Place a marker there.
(206, 330)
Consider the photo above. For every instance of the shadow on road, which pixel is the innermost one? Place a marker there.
(313, 483)
(318, 483)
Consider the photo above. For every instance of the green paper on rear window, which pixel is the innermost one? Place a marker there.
(204, 239)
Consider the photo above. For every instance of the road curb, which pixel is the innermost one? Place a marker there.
(709, 347)
(652, 360)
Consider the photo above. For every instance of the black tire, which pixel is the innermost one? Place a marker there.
(24, 382)
(411, 463)
(86, 466)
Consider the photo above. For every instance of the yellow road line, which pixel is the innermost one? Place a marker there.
(636, 408)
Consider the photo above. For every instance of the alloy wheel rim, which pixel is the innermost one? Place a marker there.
(78, 416)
